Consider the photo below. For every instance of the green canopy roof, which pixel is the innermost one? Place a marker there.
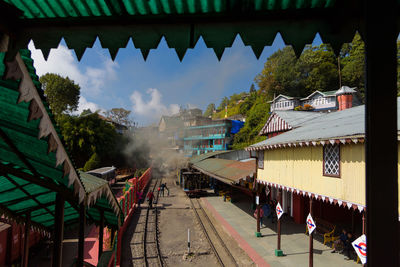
(100, 198)
(181, 23)
(34, 165)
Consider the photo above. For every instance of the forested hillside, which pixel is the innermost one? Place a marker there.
(316, 69)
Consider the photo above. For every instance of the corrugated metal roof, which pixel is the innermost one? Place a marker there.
(102, 170)
(291, 119)
(201, 157)
(335, 125)
(227, 171)
(297, 118)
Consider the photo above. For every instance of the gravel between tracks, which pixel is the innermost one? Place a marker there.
(175, 217)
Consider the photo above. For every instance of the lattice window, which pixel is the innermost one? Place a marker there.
(261, 159)
(332, 160)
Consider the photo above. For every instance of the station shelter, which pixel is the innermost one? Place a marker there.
(41, 192)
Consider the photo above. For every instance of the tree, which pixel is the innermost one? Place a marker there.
(93, 163)
(353, 62)
(62, 93)
(279, 74)
(257, 117)
(246, 105)
(252, 89)
(224, 102)
(120, 116)
(209, 110)
(87, 135)
(86, 112)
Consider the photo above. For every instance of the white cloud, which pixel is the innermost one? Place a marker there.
(153, 108)
(84, 104)
(62, 61)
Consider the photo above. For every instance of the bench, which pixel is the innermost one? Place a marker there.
(326, 229)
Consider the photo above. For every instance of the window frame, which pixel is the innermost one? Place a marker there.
(323, 162)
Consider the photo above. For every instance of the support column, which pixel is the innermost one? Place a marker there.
(101, 231)
(278, 251)
(258, 232)
(381, 145)
(26, 240)
(58, 231)
(311, 248)
(279, 220)
(81, 243)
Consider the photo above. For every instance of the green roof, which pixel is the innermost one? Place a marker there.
(226, 170)
(97, 8)
(100, 198)
(181, 23)
(201, 157)
(34, 165)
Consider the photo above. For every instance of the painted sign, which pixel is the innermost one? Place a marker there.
(310, 224)
(279, 211)
(360, 246)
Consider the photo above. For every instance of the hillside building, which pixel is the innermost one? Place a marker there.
(212, 135)
(317, 101)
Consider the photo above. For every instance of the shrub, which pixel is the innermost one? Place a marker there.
(93, 163)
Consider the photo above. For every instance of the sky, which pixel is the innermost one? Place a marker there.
(159, 85)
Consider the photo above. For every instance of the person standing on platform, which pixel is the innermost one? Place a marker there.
(150, 197)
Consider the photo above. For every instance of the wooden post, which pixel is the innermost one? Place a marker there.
(310, 258)
(258, 214)
(279, 220)
(381, 147)
(112, 235)
(26, 240)
(58, 231)
(101, 231)
(363, 222)
(81, 243)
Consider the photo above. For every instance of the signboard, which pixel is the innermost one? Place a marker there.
(360, 246)
(310, 224)
(279, 211)
(257, 200)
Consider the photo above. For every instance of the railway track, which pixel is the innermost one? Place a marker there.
(218, 246)
(144, 244)
(151, 246)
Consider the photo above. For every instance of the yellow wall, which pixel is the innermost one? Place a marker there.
(302, 168)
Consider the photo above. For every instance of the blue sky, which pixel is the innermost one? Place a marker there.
(160, 84)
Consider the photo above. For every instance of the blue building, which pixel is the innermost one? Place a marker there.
(214, 135)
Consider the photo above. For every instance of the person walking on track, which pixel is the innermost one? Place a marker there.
(150, 197)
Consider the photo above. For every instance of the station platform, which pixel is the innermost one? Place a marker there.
(238, 221)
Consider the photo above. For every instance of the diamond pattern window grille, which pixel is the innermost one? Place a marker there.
(332, 160)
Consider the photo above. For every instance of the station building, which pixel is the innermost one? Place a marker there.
(316, 155)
